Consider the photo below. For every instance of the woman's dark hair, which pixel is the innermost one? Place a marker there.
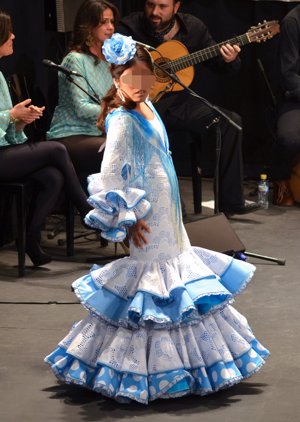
(88, 17)
(112, 99)
(5, 27)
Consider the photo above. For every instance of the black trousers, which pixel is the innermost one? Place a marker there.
(287, 145)
(85, 154)
(50, 168)
(194, 116)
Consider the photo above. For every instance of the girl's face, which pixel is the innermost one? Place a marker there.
(136, 82)
(105, 29)
(6, 49)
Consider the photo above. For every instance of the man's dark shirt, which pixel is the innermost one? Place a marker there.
(290, 54)
(193, 33)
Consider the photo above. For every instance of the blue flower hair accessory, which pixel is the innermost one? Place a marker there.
(119, 49)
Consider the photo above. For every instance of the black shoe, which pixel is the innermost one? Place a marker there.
(35, 252)
(246, 208)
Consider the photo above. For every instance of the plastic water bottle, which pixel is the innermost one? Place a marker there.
(263, 191)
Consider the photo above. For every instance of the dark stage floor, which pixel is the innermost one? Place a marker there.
(40, 309)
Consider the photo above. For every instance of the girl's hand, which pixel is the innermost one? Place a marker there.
(137, 234)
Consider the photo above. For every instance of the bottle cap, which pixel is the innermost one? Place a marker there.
(263, 176)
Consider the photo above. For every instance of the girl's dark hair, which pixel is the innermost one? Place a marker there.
(5, 27)
(88, 17)
(112, 99)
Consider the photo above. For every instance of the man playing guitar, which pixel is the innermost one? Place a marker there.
(159, 22)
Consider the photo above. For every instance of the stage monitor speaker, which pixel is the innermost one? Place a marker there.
(215, 233)
(60, 14)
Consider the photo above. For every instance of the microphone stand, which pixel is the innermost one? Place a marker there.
(93, 97)
(216, 124)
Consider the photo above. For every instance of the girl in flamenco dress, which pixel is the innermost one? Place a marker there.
(160, 322)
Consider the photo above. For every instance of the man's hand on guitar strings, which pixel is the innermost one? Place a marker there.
(229, 52)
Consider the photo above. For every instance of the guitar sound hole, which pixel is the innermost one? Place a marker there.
(159, 73)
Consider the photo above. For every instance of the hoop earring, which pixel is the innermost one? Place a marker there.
(89, 40)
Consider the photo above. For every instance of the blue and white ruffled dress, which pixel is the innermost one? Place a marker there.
(160, 322)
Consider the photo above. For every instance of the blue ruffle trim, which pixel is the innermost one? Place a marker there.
(125, 386)
(115, 210)
(188, 302)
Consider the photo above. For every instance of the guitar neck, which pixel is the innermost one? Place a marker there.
(206, 54)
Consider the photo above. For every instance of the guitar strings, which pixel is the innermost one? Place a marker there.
(207, 53)
(212, 51)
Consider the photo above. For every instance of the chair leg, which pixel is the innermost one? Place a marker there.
(21, 229)
(70, 227)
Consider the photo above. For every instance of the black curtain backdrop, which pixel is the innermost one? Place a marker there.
(246, 93)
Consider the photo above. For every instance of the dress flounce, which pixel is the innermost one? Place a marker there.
(183, 289)
(115, 210)
(144, 365)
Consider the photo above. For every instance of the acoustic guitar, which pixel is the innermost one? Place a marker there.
(175, 58)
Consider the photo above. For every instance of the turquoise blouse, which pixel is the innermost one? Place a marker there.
(8, 133)
(76, 113)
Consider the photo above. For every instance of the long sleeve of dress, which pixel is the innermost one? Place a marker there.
(116, 192)
(83, 107)
(76, 113)
(8, 133)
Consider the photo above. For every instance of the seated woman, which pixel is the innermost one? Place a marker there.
(75, 116)
(47, 164)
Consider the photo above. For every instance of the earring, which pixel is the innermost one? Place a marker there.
(121, 95)
(89, 40)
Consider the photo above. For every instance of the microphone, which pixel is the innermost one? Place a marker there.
(148, 47)
(61, 68)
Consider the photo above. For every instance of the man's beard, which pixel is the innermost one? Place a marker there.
(160, 26)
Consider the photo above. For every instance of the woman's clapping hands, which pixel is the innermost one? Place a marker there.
(25, 113)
